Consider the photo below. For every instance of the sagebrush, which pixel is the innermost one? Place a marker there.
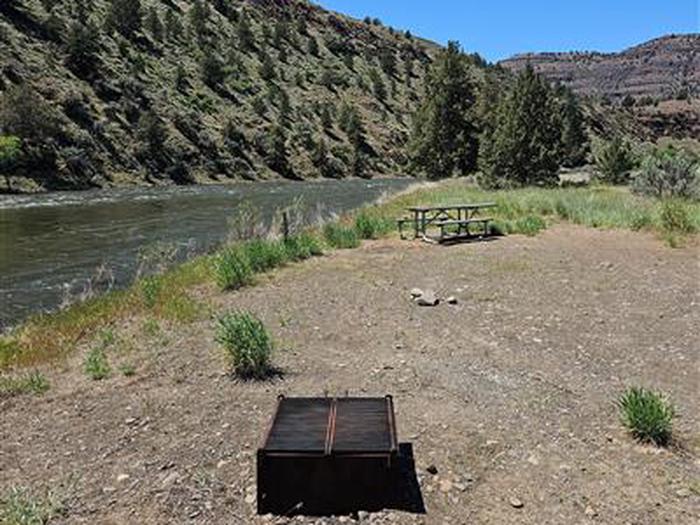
(247, 343)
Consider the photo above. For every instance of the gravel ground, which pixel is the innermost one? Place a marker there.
(509, 393)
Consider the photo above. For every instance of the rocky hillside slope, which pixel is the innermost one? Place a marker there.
(202, 91)
(663, 69)
(650, 90)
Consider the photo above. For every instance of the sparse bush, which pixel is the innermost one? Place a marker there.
(32, 383)
(614, 161)
(302, 246)
(675, 217)
(669, 173)
(530, 225)
(232, 268)
(264, 255)
(339, 236)
(647, 415)
(96, 364)
(247, 343)
(372, 226)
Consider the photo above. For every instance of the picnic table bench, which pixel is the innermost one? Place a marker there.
(453, 221)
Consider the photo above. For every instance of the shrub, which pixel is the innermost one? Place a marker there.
(10, 148)
(247, 343)
(530, 225)
(647, 415)
(31, 383)
(339, 236)
(96, 364)
(302, 246)
(232, 268)
(264, 255)
(675, 217)
(150, 290)
(669, 173)
(371, 226)
(614, 161)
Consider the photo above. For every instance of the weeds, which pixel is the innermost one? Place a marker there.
(30, 383)
(150, 290)
(233, 269)
(341, 237)
(302, 246)
(529, 225)
(20, 507)
(247, 343)
(96, 364)
(264, 255)
(647, 415)
(370, 226)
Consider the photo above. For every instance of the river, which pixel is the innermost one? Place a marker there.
(52, 244)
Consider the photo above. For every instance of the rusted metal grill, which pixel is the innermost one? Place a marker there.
(328, 456)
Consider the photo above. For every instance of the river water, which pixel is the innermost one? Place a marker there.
(51, 245)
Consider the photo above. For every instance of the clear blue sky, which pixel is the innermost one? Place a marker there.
(497, 29)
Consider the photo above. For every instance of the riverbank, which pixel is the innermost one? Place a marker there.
(508, 395)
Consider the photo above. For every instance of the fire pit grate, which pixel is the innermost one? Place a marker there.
(328, 456)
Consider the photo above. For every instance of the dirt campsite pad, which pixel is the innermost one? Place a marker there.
(507, 396)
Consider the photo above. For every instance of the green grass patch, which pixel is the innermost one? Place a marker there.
(30, 383)
(303, 246)
(647, 415)
(372, 226)
(247, 343)
(529, 225)
(96, 364)
(264, 255)
(19, 506)
(340, 236)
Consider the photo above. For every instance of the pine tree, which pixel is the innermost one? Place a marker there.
(125, 16)
(444, 138)
(326, 117)
(281, 34)
(83, 47)
(313, 47)
(387, 59)
(523, 148)
(152, 134)
(378, 85)
(246, 38)
(154, 25)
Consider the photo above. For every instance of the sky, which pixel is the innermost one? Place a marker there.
(497, 29)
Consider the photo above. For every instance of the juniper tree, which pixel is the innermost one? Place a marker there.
(326, 117)
(378, 86)
(152, 134)
(277, 156)
(173, 25)
(82, 48)
(313, 47)
(574, 139)
(213, 73)
(523, 148)
(281, 34)
(153, 23)
(444, 138)
(246, 38)
(387, 59)
(267, 67)
(125, 17)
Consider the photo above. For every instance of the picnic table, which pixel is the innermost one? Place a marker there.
(452, 221)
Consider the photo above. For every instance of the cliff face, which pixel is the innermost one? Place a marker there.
(664, 68)
(224, 102)
(652, 88)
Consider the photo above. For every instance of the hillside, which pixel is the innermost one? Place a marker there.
(201, 92)
(655, 85)
(663, 69)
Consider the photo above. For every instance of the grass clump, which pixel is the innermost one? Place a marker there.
(127, 369)
(150, 290)
(96, 364)
(248, 344)
(647, 415)
(232, 268)
(302, 246)
(264, 255)
(530, 225)
(675, 217)
(370, 226)
(31, 383)
(341, 237)
(20, 507)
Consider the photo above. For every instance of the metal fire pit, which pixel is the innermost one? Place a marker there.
(328, 456)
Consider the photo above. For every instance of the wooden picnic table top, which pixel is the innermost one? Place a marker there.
(452, 207)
